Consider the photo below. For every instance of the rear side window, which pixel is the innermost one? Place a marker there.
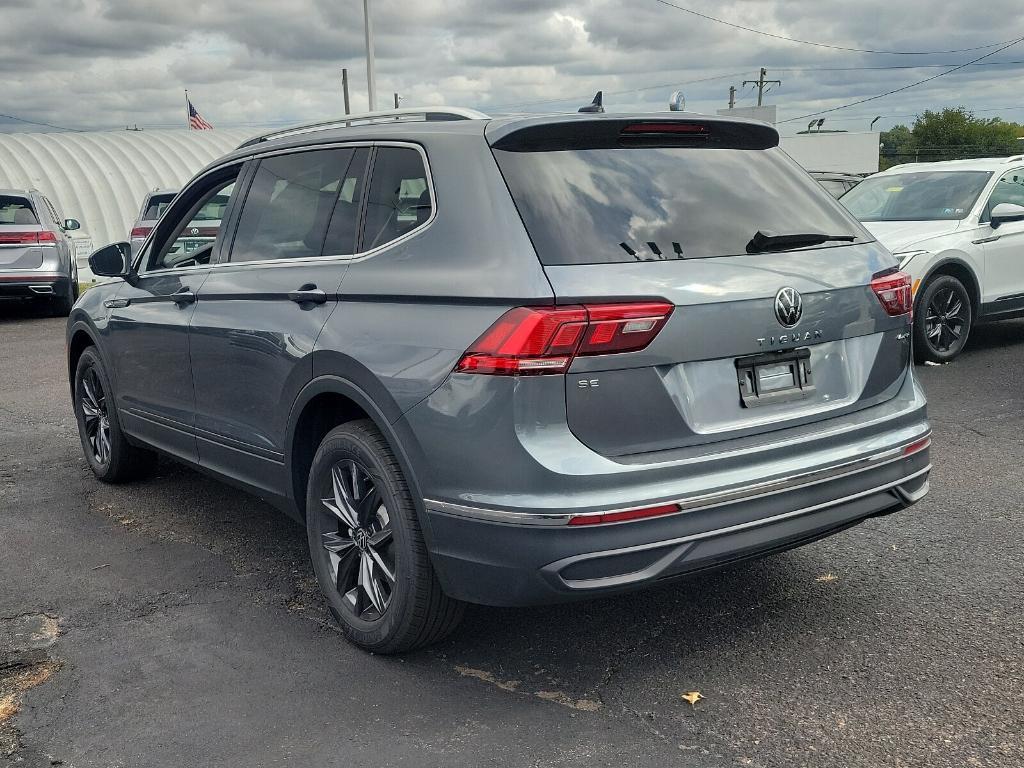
(16, 210)
(591, 206)
(399, 197)
(156, 206)
(289, 205)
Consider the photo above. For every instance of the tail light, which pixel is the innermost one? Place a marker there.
(45, 237)
(893, 290)
(139, 233)
(536, 340)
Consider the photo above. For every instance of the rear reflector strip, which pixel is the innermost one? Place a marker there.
(621, 517)
(917, 446)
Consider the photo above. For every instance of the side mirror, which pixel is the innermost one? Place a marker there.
(1005, 212)
(112, 260)
(72, 224)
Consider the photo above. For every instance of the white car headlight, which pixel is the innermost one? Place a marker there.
(906, 256)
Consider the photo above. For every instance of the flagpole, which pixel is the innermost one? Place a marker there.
(188, 120)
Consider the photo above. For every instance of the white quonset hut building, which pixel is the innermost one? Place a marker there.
(101, 177)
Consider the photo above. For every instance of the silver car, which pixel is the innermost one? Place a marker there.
(37, 258)
(153, 206)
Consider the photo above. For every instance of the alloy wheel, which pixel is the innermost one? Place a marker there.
(93, 402)
(945, 320)
(358, 541)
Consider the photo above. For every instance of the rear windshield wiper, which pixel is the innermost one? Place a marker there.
(762, 242)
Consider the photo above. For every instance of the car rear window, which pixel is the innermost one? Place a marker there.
(16, 210)
(588, 206)
(156, 206)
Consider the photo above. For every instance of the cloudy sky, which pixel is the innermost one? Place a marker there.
(91, 64)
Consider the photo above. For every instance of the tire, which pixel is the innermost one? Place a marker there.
(942, 320)
(113, 459)
(376, 575)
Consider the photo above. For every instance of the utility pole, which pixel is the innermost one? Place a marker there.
(371, 75)
(732, 96)
(761, 83)
(396, 101)
(344, 88)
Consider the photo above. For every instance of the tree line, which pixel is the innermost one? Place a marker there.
(952, 134)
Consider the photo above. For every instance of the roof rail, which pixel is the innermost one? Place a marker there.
(1014, 159)
(404, 114)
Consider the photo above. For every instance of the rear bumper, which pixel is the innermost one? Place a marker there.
(33, 285)
(481, 558)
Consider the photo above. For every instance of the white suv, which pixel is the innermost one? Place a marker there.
(958, 229)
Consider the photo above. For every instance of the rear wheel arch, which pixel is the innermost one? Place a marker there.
(325, 403)
(79, 340)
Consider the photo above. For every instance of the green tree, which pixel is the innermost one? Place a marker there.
(897, 146)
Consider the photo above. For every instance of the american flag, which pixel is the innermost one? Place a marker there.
(195, 120)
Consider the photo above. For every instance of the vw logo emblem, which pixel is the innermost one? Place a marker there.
(789, 306)
(194, 231)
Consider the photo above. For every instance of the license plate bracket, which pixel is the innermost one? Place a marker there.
(774, 377)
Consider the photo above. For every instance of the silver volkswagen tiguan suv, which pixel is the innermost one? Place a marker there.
(512, 361)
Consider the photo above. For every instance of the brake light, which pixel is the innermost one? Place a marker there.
(139, 233)
(536, 340)
(893, 290)
(625, 515)
(690, 128)
(45, 237)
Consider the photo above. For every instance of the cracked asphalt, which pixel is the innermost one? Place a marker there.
(181, 624)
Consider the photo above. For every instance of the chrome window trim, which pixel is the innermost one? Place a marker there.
(697, 502)
(331, 257)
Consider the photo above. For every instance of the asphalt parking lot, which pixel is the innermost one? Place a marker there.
(176, 623)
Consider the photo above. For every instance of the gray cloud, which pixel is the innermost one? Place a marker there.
(107, 63)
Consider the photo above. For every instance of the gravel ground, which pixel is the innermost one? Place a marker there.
(175, 622)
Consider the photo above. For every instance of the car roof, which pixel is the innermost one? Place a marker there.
(977, 164)
(18, 192)
(418, 130)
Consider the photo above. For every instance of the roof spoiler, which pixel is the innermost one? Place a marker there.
(611, 132)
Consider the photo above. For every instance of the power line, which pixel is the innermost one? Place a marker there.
(903, 88)
(819, 45)
(36, 122)
(892, 66)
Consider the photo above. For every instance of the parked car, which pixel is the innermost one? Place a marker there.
(836, 184)
(37, 258)
(153, 206)
(958, 229)
(512, 361)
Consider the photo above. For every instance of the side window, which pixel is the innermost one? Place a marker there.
(398, 200)
(1009, 189)
(289, 205)
(192, 239)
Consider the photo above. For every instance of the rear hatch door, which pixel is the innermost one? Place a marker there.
(21, 236)
(770, 328)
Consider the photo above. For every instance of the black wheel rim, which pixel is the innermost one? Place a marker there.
(946, 320)
(92, 399)
(357, 541)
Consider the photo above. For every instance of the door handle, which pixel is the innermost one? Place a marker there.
(183, 296)
(308, 293)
